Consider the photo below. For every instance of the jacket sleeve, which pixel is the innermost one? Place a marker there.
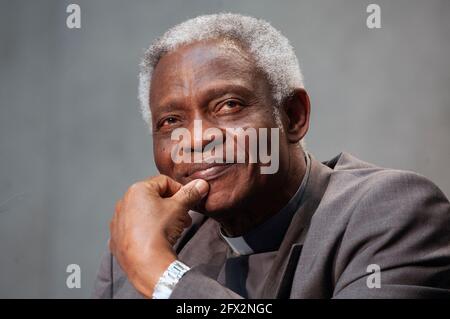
(195, 285)
(103, 288)
(111, 281)
(402, 226)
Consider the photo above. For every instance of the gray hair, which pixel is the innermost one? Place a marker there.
(272, 52)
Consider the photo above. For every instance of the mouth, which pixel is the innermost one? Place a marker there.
(208, 172)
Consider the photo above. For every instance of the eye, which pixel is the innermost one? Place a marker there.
(171, 120)
(230, 106)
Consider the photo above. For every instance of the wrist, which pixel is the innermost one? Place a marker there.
(170, 278)
(146, 277)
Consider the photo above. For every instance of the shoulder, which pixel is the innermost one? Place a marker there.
(384, 208)
(396, 219)
(365, 200)
(384, 186)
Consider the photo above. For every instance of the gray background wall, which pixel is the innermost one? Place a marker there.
(71, 137)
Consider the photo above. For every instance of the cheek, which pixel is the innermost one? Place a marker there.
(162, 155)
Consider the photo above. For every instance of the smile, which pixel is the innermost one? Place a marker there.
(237, 145)
(208, 171)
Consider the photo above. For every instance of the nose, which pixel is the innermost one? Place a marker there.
(200, 136)
(197, 142)
(203, 139)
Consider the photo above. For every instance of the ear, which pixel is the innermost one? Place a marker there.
(296, 112)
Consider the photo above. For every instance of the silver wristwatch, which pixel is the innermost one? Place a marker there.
(169, 279)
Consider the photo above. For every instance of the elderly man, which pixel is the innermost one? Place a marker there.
(225, 229)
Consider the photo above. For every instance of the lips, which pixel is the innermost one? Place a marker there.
(207, 171)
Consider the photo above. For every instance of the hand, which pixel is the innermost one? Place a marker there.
(147, 222)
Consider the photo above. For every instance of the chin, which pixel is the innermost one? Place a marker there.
(217, 202)
(227, 192)
(223, 201)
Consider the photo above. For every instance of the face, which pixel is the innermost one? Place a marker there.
(216, 82)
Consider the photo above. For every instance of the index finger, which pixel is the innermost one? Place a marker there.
(163, 185)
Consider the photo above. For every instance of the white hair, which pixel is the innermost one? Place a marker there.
(271, 51)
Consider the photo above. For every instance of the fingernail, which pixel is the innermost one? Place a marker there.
(202, 187)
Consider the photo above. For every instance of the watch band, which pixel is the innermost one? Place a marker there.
(169, 279)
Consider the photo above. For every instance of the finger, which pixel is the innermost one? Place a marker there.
(192, 193)
(118, 206)
(163, 185)
(187, 221)
(173, 238)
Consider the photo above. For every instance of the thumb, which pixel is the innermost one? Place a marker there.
(192, 193)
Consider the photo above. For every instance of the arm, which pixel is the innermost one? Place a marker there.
(403, 225)
(147, 223)
(195, 285)
(103, 282)
(192, 285)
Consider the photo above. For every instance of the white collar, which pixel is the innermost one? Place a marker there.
(278, 223)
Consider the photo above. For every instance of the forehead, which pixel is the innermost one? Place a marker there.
(192, 67)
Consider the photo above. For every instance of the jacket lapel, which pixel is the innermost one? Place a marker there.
(205, 248)
(279, 280)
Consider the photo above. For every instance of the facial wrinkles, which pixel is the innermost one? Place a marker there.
(193, 69)
(197, 66)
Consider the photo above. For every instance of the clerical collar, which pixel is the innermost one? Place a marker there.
(269, 235)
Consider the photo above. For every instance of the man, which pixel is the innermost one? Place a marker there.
(223, 229)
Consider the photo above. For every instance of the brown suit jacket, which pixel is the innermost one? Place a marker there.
(354, 215)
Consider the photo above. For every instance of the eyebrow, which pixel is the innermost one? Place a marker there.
(215, 91)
